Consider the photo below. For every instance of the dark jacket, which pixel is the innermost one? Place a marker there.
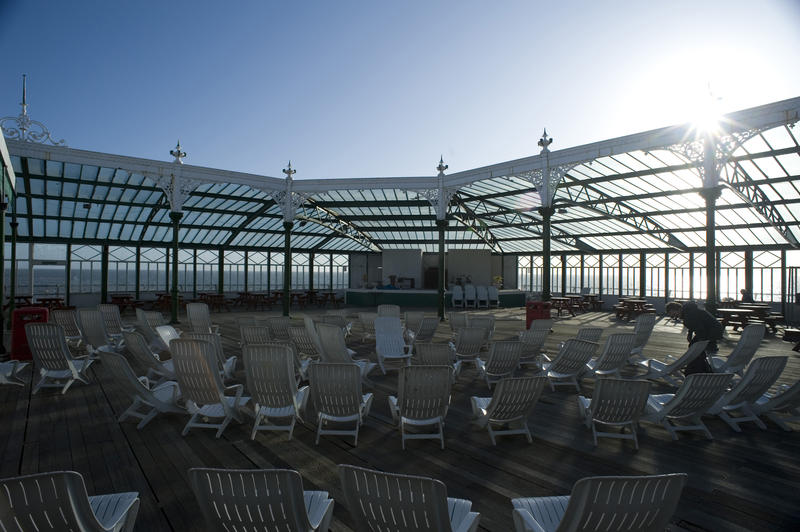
(700, 324)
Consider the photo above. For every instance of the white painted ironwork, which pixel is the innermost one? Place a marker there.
(439, 197)
(26, 128)
(288, 200)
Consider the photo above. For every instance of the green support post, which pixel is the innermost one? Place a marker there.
(104, 273)
(546, 213)
(138, 290)
(642, 274)
(3, 207)
(441, 225)
(287, 267)
(12, 281)
(221, 272)
(68, 275)
(176, 219)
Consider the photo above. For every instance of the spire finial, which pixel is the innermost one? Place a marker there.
(23, 127)
(177, 153)
(545, 141)
(442, 167)
(24, 94)
(288, 171)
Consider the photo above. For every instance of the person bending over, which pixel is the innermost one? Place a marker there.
(701, 325)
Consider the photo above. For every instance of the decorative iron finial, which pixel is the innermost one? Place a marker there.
(26, 129)
(288, 171)
(545, 141)
(177, 153)
(442, 167)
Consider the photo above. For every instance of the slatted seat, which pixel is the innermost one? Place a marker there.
(785, 401)
(367, 322)
(140, 352)
(225, 365)
(643, 328)
(616, 403)
(742, 353)
(112, 320)
(470, 296)
(457, 321)
(94, 331)
(502, 360)
(644, 504)
(431, 354)
(68, 319)
(532, 341)
(302, 342)
(423, 396)
(153, 318)
(390, 346)
(481, 296)
(279, 327)
(58, 501)
(57, 367)
(569, 363)
(9, 372)
(468, 344)
(494, 297)
(336, 391)
(390, 311)
(388, 501)
(457, 296)
(509, 407)
(254, 334)
(259, 499)
(590, 334)
(669, 370)
(614, 356)
(199, 318)
(335, 349)
(424, 331)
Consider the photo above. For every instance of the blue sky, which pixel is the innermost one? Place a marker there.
(351, 89)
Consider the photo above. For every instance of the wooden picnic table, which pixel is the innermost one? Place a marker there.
(735, 317)
(50, 302)
(562, 303)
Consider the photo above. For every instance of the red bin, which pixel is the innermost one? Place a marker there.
(536, 310)
(19, 340)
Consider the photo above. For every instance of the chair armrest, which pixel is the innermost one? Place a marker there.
(145, 381)
(238, 388)
(524, 521)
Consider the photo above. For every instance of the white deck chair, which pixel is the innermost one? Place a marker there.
(481, 296)
(483, 322)
(698, 392)
(757, 380)
(669, 370)
(502, 360)
(196, 366)
(150, 362)
(336, 319)
(382, 501)
(643, 328)
(617, 403)
(494, 297)
(468, 344)
(302, 342)
(367, 322)
(200, 318)
(390, 346)
(392, 311)
(457, 321)
(743, 351)
(644, 504)
(259, 499)
(336, 391)
(154, 399)
(68, 319)
(412, 320)
(470, 296)
(785, 401)
(153, 339)
(58, 501)
(509, 406)
(545, 324)
(269, 369)
(569, 363)
(153, 318)
(279, 327)
(254, 334)
(430, 354)
(457, 296)
(311, 329)
(532, 341)
(57, 367)
(336, 351)
(226, 365)
(94, 332)
(112, 320)
(9, 372)
(590, 334)
(423, 396)
(168, 333)
(424, 332)
(614, 356)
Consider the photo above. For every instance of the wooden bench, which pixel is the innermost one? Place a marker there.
(792, 335)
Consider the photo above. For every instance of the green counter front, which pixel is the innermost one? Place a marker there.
(419, 298)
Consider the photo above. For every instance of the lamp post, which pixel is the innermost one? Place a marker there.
(546, 211)
(441, 225)
(175, 215)
(288, 217)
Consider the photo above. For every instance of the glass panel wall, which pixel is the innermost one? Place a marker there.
(731, 275)
(207, 276)
(555, 274)
(341, 279)
(322, 271)
(611, 274)
(630, 274)
(258, 271)
(679, 270)
(573, 274)
(700, 278)
(85, 276)
(524, 273)
(767, 276)
(121, 269)
(153, 264)
(655, 264)
(591, 273)
(233, 274)
(299, 271)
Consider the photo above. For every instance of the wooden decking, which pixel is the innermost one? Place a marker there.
(738, 481)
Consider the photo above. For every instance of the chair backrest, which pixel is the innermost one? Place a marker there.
(93, 328)
(196, 368)
(457, 294)
(470, 293)
(389, 336)
(140, 351)
(379, 501)
(544, 324)
(695, 350)
(38, 500)
(367, 321)
(389, 310)
(150, 335)
(269, 370)
(413, 319)
(167, 333)
(758, 379)
(644, 503)
(483, 322)
(482, 293)
(311, 329)
(68, 320)
(302, 341)
(239, 499)
(48, 345)
(334, 346)
(619, 400)
(111, 318)
(573, 356)
(643, 328)
(199, 317)
(125, 377)
(279, 327)
(503, 357)
(494, 294)
(746, 347)
(216, 342)
(533, 340)
(590, 334)
(784, 401)
(334, 319)
(515, 398)
(430, 354)
(254, 334)
(469, 341)
(336, 389)
(698, 392)
(457, 320)
(423, 392)
(427, 329)
(616, 351)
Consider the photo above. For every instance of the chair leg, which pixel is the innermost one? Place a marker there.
(189, 425)
(224, 425)
(527, 431)
(147, 418)
(256, 421)
(66, 386)
(732, 423)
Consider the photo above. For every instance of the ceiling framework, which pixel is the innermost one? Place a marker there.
(639, 192)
